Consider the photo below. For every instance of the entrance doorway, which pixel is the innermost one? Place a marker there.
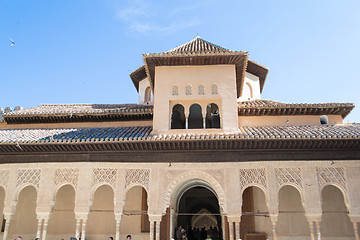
(199, 214)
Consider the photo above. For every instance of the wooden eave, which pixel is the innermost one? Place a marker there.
(298, 109)
(257, 70)
(138, 75)
(189, 145)
(239, 59)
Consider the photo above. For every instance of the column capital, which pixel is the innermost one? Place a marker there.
(313, 217)
(43, 215)
(82, 216)
(153, 217)
(354, 218)
(234, 218)
(118, 216)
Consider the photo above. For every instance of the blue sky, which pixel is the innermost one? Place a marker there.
(82, 51)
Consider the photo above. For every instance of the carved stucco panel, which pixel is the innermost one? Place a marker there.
(104, 175)
(137, 176)
(252, 176)
(4, 177)
(291, 176)
(331, 175)
(67, 175)
(25, 176)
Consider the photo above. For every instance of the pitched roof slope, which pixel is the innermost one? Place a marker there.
(130, 134)
(198, 45)
(79, 112)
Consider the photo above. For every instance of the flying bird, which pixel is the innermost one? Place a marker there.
(12, 42)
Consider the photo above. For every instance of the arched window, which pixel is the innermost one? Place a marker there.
(212, 116)
(178, 117)
(188, 90)
(195, 117)
(214, 89)
(324, 119)
(201, 90)
(147, 97)
(175, 90)
(247, 92)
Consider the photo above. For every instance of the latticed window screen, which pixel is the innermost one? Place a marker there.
(188, 90)
(214, 89)
(201, 90)
(175, 90)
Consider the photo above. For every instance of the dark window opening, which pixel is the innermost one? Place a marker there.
(324, 119)
(212, 116)
(178, 117)
(195, 120)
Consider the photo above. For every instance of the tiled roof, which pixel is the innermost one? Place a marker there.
(80, 113)
(65, 109)
(136, 134)
(262, 107)
(198, 45)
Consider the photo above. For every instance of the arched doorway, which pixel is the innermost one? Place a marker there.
(291, 221)
(335, 221)
(255, 214)
(135, 220)
(63, 212)
(198, 212)
(24, 222)
(101, 220)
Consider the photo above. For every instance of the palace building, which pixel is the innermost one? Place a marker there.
(201, 149)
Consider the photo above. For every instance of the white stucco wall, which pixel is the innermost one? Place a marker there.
(166, 77)
(143, 84)
(251, 83)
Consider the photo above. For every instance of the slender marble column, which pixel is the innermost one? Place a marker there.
(38, 232)
(6, 229)
(172, 225)
(237, 228)
(318, 230)
(274, 231)
(157, 236)
(78, 226)
(117, 234)
(356, 231)
(204, 121)
(83, 229)
(223, 226)
(45, 225)
(231, 230)
(186, 122)
(152, 230)
(311, 226)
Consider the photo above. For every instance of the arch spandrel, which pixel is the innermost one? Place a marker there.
(173, 188)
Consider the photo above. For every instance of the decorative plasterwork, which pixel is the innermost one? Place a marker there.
(25, 176)
(331, 175)
(104, 175)
(286, 176)
(67, 175)
(252, 176)
(137, 176)
(4, 177)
